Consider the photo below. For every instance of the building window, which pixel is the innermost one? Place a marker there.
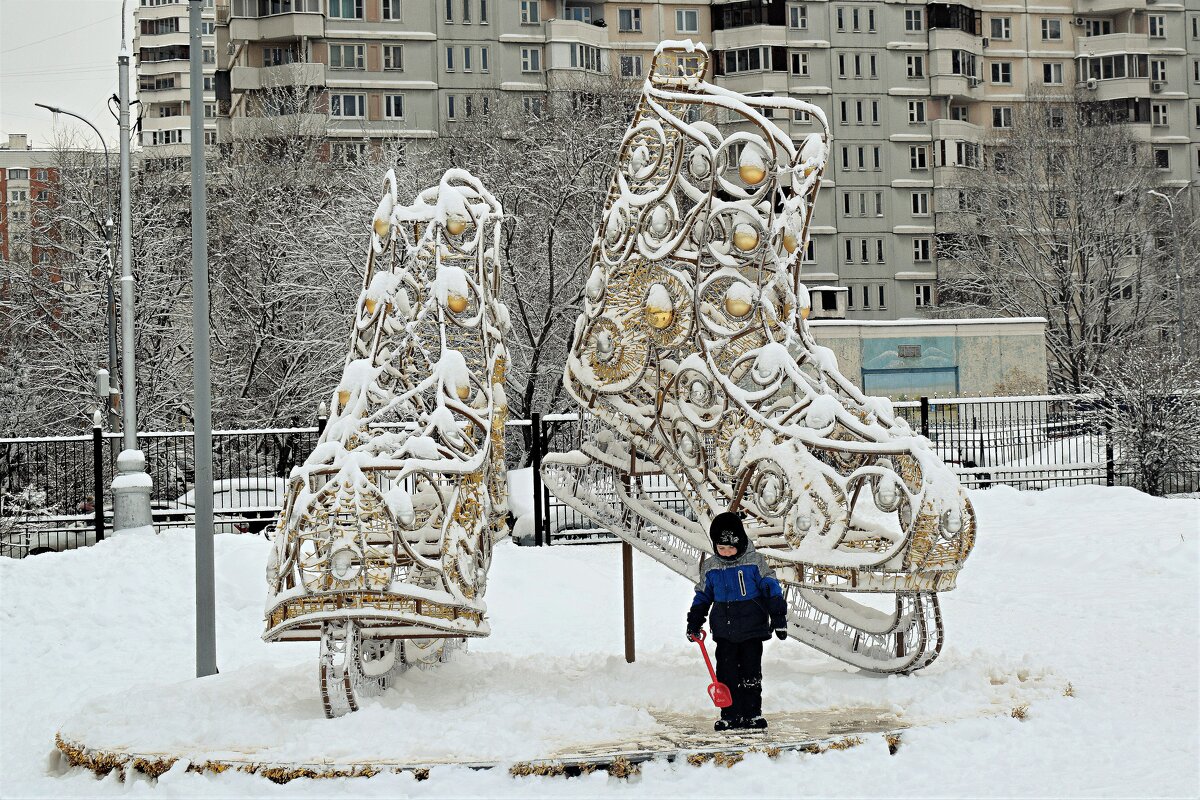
(346, 56)
(529, 12)
(1162, 158)
(391, 10)
(393, 106)
(210, 55)
(466, 59)
(18, 174)
(450, 107)
(879, 259)
(921, 250)
(1158, 29)
(687, 20)
(483, 9)
(629, 19)
(1002, 117)
(631, 66)
(800, 64)
(585, 57)
(849, 247)
(532, 106)
(1056, 117)
(1051, 30)
(1158, 115)
(1002, 72)
(41, 175)
(916, 112)
(967, 154)
(1052, 74)
(916, 66)
(531, 59)
(483, 60)
(804, 118)
(1002, 28)
(924, 293)
(914, 20)
(747, 59)
(347, 105)
(393, 57)
(1158, 70)
(466, 12)
(449, 59)
(866, 297)
(918, 157)
(798, 18)
(1097, 27)
(345, 9)
(920, 204)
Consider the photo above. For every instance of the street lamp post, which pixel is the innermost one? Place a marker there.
(1179, 262)
(106, 230)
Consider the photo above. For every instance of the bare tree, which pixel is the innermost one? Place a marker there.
(1055, 221)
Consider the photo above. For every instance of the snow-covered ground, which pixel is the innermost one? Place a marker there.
(1093, 587)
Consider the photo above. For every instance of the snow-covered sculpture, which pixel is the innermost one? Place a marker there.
(386, 534)
(694, 365)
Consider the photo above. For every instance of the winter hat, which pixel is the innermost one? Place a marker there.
(727, 529)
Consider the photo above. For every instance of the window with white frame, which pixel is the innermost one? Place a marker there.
(346, 56)
(1158, 115)
(804, 118)
(1158, 70)
(799, 64)
(1162, 158)
(393, 106)
(918, 157)
(466, 59)
(916, 111)
(747, 59)
(483, 12)
(921, 250)
(1002, 72)
(585, 57)
(1002, 28)
(531, 59)
(687, 20)
(967, 154)
(629, 19)
(914, 20)
(1052, 73)
(533, 105)
(393, 57)
(41, 175)
(798, 18)
(16, 174)
(347, 105)
(579, 14)
(1097, 27)
(915, 66)
(1158, 26)
(484, 66)
(466, 12)
(1002, 116)
(1051, 30)
(391, 10)
(346, 9)
(1056, 117)
(451, 107)
(631, 66)
(919, 202)
(449, 59)
(924, 294)
(529, 12)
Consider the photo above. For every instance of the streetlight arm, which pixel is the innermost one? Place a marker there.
(104, 144)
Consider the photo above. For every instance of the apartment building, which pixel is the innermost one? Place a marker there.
(161, 47)
(911, 89)
(27, 178)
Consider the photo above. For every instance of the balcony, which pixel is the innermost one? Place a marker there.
(1112, 43)
(954, 39)
(951, 85)
(957, 130)
(174, 38)
(734, 38)
(1086, 7)
(1120, 88)
(248, 79)
(277, 28)
(283, 126)
(569, 30)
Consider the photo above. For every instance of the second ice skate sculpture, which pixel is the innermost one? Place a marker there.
(695, 369)
(386, 534)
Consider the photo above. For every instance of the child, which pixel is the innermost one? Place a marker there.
(747, 604)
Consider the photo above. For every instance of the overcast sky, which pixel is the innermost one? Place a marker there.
(63, 53)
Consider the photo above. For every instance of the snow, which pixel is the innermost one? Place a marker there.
(106, 649)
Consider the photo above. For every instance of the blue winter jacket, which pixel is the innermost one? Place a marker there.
(746, 600)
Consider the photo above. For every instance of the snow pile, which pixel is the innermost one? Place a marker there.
(1092, 587)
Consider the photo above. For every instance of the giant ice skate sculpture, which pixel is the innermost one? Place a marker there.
(386, 534)
(694, 365)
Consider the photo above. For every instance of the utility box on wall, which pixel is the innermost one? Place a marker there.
(906, 359)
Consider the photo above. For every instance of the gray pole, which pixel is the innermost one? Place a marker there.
(132, 485)
(206, 612)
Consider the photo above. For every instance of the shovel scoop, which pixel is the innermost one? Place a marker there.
(717, 691)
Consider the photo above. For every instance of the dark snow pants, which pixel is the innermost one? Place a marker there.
(739, 666)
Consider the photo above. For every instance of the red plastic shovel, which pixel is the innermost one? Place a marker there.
(718, 691)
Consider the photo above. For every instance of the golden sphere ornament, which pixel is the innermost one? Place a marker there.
(737, 306)
(463, 392)
(382, 227)
(789, 242)
(745, 238)
(456, 303)
(752, 174)
(455, 225)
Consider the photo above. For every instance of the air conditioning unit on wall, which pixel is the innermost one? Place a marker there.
(1157, 86)
(1092, 83)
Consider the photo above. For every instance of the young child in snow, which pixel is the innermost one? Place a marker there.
(747, 605)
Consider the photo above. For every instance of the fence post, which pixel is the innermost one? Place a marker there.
(627, 596)
(322, 418)
(925, 417)
(1110, 469)
(98, 475)
(535, 445)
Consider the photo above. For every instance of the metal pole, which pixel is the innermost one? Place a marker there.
(925, 417)
(540, 527)
(206, 611)
(98, 474)
(129, 401)
(627, 591)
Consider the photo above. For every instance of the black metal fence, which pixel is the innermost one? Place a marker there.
(54, 491)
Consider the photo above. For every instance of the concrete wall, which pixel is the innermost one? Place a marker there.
(939, 358)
